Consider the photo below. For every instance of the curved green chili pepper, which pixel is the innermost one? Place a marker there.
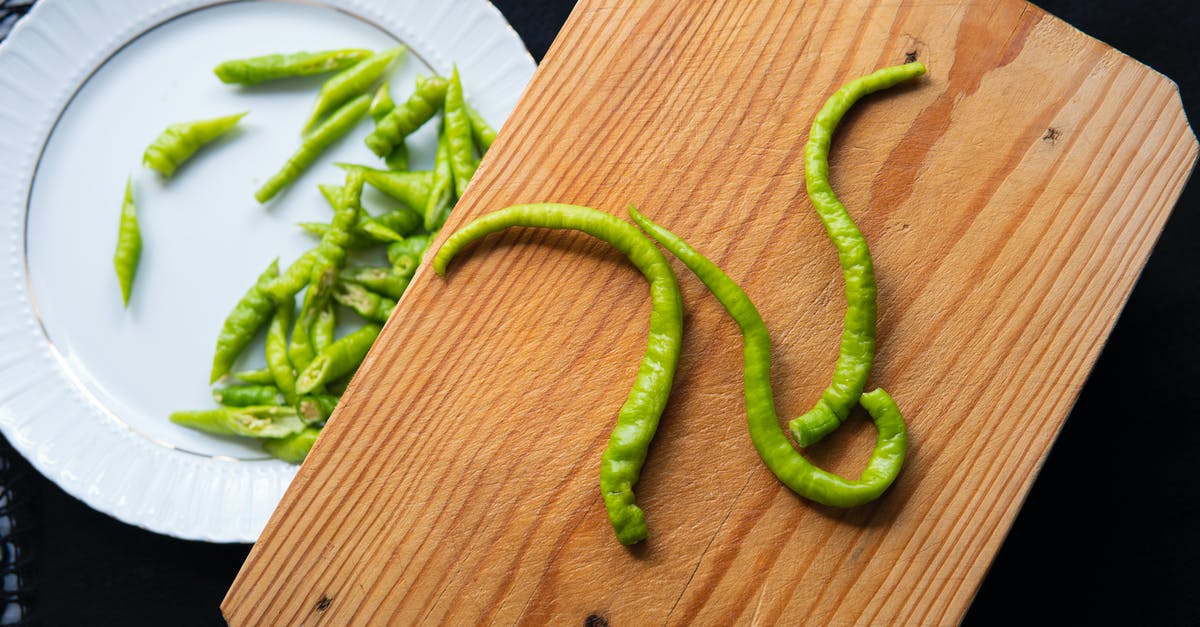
(248, 395)
(364, 302)
(180, 141)
(352, 82)
(639, 416)
(410, 188)
(858, 337)
(402, 120)
(242, 324)
(278, 362)
(773, 447)
(337, 124)
(457, 127)
(293, 448)
(129, 244)
(441, 190)
(337, 359)
(483, 133)
(268, 421)
(381, 280)
(270, 67)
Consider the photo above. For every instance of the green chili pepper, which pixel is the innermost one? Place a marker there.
(384, 280)
(129, 244)
(337, 124)
(441, 191)
(773, 447)
(301, 350)
(275, 66)
(403, 220)
(248, 395)
(285, 287)
(408, 117)
(257, 377)
(410, 188)
(376, 230)
(316, 408)
(858, 337)
(293, 448)
(357, 241)
(364, 302)
(324, 327)
(484, 135)
(337, 359)
(639, 416)
(278, 361)
(405, 256)
(268, 421)
(381, 105)
(180, 141)
(242, 324)
(352, 82)
(459, 144)
(397, 160)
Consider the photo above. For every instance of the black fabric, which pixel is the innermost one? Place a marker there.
(1107, 535)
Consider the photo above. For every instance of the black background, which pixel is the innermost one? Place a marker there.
(1109, 531)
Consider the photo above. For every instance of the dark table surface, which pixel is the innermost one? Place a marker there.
(1108, 534)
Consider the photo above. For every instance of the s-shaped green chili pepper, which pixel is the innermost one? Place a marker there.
(773, 447)
(408, 117)
(129, 244)
(410, 188)
(441, 190)
(339, 358)
(858, 337)
(267, 421)
(180, 141)
(241, 325)
(638, 419)
(336, 125)
(293, 448)
(458, 137)
(483, 133)
(351, 82)
(270, 67)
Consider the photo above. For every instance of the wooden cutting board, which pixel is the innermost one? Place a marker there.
(1010, 199)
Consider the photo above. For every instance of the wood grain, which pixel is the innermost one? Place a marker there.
(1010, 198)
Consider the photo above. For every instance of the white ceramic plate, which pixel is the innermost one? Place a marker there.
(85, 85)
